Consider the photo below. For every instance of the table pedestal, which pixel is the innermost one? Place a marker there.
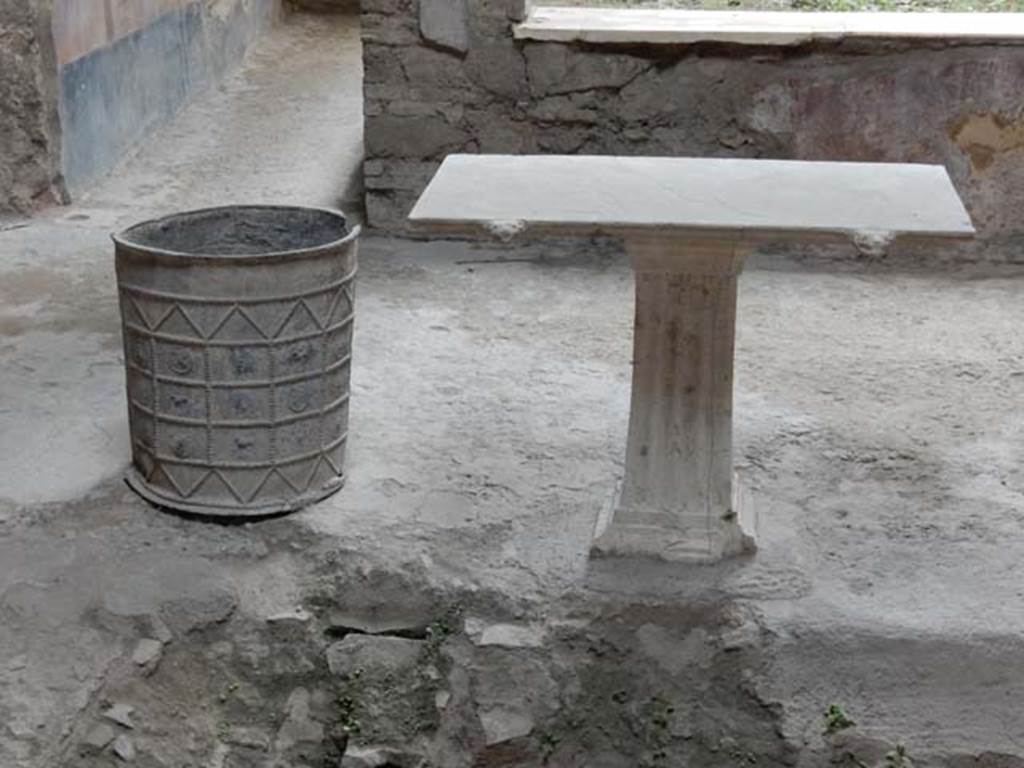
(678, 499)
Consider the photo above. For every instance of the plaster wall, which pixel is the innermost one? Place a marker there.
(82, 82)
(449, 77)
(127, 66)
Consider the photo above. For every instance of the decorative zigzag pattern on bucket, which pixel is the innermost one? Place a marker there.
(238, 403)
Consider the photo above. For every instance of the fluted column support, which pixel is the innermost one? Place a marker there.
(678, 499)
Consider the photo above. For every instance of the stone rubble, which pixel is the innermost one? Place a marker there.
(120, 713)
(298, 616)
(357, 654)
(252, 737)
(159, 630)
(513, 636)
(502, 724)
(298, 726)
(98, 737)
(124, 748)
(147, 653)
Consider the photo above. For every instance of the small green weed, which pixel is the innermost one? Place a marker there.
(548, 744)
(348, 704)
(442, 628)
(659, 713)
(228, 691)
(898, 758)
(836, 719)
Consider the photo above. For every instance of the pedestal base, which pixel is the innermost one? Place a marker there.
(616, 533)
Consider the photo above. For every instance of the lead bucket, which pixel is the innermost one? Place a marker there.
(237, 326)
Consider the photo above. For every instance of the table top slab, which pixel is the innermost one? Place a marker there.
(582, 194)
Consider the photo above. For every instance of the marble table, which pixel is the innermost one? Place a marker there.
(688, 224)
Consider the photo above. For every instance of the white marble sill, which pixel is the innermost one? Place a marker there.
(781, 28)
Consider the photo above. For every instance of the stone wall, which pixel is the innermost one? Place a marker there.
(445, 76)
(29, 130)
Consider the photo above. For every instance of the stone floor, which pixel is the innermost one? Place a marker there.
(442, 606)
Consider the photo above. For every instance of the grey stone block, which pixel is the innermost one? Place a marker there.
(445, 23)
(373, 654)
(412, 137)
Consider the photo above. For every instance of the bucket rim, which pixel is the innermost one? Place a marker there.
(122, 238)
